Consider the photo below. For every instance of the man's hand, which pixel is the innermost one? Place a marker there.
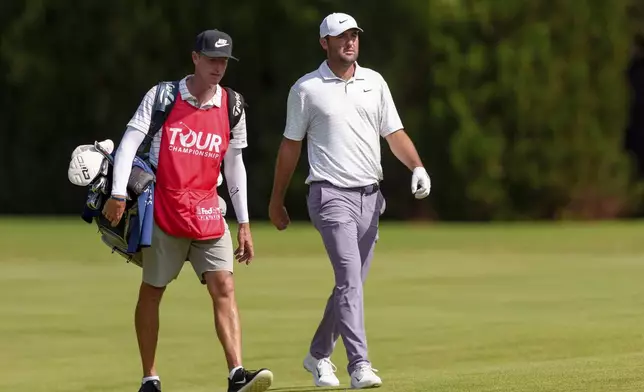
(244, 252)
(403, 148)
(278, 215)
(287, 157)
(420, 183)
(113, 210)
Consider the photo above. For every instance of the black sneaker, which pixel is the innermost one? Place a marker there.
(151, 386)
(250, 380)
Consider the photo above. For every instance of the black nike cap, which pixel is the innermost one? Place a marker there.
(214, 43)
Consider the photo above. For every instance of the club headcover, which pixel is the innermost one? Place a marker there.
(107, 144)
(84, 167)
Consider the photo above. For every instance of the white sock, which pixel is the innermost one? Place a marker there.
(150, 378)
(232, 372)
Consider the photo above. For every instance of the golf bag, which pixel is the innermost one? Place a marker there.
(134, 230)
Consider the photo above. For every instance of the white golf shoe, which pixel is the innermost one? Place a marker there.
(364, 376)
(323, 371)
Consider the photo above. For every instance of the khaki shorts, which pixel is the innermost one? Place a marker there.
(163, 260)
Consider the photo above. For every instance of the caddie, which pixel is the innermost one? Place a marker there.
(187, 155)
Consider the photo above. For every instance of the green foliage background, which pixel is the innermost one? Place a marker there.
(518, 108)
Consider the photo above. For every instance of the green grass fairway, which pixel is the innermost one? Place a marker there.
(448, 307)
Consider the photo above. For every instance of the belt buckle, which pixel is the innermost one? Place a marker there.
(370, 189)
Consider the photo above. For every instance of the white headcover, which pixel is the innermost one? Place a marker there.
(87, 163)
(107, 144)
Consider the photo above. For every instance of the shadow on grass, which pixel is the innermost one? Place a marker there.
(307, 388)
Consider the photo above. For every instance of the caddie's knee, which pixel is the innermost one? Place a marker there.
(220, 284)
(149, 293)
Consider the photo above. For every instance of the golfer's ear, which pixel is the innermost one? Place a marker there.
(324, 43)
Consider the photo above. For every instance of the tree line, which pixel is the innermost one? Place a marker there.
(520, 110)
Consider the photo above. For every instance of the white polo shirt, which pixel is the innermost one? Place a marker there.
(343, 122)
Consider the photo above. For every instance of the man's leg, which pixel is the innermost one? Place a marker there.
(323, 342)
(334, 212)
(162, 263)
(373, 207)
(222, 291)
(213, 263)
(320, 346)
(363, 375)
(146, 320)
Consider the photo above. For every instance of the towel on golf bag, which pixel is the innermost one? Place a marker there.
(134, 231)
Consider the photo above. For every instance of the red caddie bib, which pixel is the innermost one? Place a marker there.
(193, 144)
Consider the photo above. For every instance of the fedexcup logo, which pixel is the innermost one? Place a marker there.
(211, 213)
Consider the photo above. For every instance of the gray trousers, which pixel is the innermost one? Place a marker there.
(347, 220)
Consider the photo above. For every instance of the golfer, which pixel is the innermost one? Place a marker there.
(187, 153)
(343, 109)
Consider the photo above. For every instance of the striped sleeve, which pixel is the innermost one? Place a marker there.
(143, 115)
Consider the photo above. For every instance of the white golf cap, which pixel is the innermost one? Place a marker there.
(336, 24)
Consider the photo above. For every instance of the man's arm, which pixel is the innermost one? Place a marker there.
(235, 173)
(135, 133)
(297, 123)
(236, 180)
(287, 157)
(137, 129)
(123, 159)
(403, 148)
(235, 170)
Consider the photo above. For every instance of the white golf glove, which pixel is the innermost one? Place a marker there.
(420, 183)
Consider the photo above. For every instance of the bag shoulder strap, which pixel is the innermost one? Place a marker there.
(236, 105)
(164, 101)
